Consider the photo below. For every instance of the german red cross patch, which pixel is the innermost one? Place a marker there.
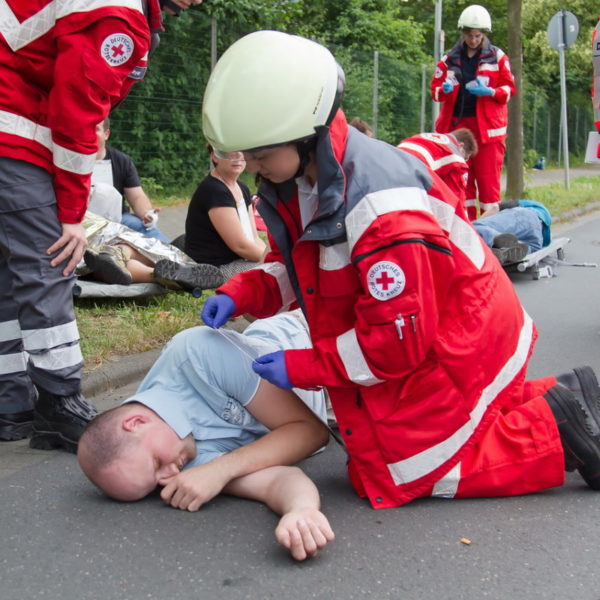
(385, 280)
(117, 49)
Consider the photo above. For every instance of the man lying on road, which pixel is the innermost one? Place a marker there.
(202, 422)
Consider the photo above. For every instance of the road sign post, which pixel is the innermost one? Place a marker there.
(563, 29)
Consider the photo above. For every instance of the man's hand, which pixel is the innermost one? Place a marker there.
(272, 368)
(192, 488)
(303, 532)
(72, 244)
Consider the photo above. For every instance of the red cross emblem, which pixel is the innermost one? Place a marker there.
(117, 50)
(385, 280)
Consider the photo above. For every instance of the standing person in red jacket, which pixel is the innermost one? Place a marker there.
(446, 155)
(63, 66)
(416, 330)
(473, 83)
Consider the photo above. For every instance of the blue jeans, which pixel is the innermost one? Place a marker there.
(520, 221)
(134, 222)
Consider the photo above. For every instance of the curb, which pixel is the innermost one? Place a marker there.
(119, 371)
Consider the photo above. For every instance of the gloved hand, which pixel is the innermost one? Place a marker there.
(447, 87)
(478, 89)
(272, 368)
(217, 310)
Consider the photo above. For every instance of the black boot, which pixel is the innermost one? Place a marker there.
(59, 421)
(575, 403)
(15, 426)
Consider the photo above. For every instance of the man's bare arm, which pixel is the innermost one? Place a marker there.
(295, 434)
(303, 529)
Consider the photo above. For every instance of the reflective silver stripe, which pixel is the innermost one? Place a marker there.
(13, 363)
(461, 233)
(446, 487)
(332, 258)
(419, 465)
(279, 271)
(40, 339)
(471, 202)
(488, 204)
(436, 94)
(63, 158)
(58, 358)
(74, 162)
(496, 132)
(18, 35)
(17, 125)
(488, 67)
(354, 360)
(9, 331)
(506, 88)
(433, 164)
(382, 202)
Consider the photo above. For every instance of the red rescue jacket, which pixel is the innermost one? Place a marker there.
(441, 153)
(417, 331)
(63, 65)
(491, 111)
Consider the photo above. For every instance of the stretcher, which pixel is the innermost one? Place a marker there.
(542, 263)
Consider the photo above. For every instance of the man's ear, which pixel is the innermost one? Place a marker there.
(132, 422)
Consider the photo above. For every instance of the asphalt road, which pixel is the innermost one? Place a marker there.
(63, 539)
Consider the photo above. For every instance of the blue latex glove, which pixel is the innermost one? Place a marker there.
(447, 87)
(480, 89)
(272, 368)
(217, 310)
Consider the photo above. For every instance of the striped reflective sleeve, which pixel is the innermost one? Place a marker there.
(74, 162)
(423, 463)
(19, 34)
(279, 272)
(496, 132)
(354, 360)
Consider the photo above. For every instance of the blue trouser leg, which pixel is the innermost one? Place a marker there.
(135, 223)
(520, 221)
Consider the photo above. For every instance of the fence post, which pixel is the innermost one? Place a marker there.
(423, 93)
(375, 91)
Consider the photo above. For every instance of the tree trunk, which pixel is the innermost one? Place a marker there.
(514, 142)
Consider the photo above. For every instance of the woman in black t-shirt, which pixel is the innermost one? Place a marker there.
(220, 229)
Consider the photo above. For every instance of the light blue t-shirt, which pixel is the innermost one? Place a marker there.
(203, 380)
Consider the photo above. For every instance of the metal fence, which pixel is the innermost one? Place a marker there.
(159, 124)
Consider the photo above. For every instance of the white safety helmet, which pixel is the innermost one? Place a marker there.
(270, 88)
(475, 17)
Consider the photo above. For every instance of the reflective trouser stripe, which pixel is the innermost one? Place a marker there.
(51, 337)
(13, 363)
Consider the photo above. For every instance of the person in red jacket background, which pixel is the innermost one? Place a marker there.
(447, 155)
(63, 66)
(416, 330)
(473, 83)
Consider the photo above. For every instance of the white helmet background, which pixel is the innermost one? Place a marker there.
(475, 17)
(268, 88)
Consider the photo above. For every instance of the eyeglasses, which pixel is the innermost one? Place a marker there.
(232, 156)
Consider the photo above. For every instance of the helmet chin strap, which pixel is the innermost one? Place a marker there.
(304, 148)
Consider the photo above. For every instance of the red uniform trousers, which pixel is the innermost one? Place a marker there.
(485, 169)
(520, 453)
